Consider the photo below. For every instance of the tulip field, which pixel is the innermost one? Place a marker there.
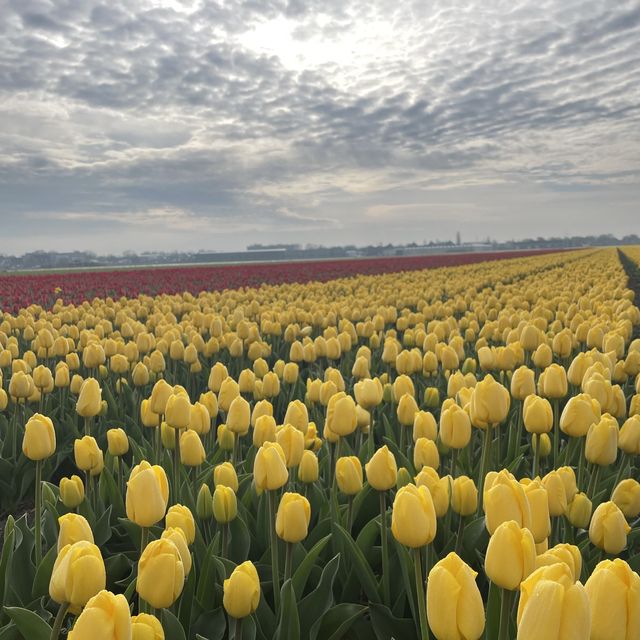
(315, 451)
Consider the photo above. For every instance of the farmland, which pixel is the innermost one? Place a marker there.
(430, 447)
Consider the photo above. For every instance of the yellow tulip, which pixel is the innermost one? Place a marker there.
(613, 590)
(413, 519)
(118, 442)
(552, 605)
(454, 605)
(349, 475)
(147, 494)
(180, 517)
(241, 591)
(89, 401)
(78, 575)
(225, 474)
(292, 519)
(382, 470)
(146, 627)
(39, 441)
(71, 491)
(511, 555)
(608, 529)
(269, 467)
(161, 574)
(105, 617)
(73, 528)
(626, 495)
(225, 506)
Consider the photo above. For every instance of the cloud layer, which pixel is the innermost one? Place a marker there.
(177, 124)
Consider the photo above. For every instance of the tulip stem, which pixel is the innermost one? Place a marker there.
(38, 524)
(237, 634)
(349, 513)
(288, 561)
(87, 426)
(225, 539)
(275, 570)
(581, 460)
(593, 484)
(176, 466)
(385, 549)
(57, 625)
(401, 445)
(556, 431)
(417, 568)
(460, 535)
(159, 440)
(486, 450)
(536, 456)
(622, 465)
(505, 612)
(454, 462)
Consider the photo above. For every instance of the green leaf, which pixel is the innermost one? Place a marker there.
(172, 627)
(288, 623)
(43, 574)
(7, 554)
(240, 541)
(360, 564)
(321, 598)
(186, 600)
(337, 621)
(386, 625)
(30, 625)
(212, 623)
(492, 624)
(301, 575)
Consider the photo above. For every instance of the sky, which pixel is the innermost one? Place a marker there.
(211, 124)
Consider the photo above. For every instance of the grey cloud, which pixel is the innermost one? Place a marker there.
(131, 106)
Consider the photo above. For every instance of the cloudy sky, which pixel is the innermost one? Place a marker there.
(210, 124)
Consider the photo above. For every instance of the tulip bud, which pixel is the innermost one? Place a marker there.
(626, 496)
(225, 507)
(178, 411)
(21, 385)
(242, 591)
(368, 393)
(296, 415)
(613, 590)
(349, 475)
(602, 441)
(160, 395)
(225, 475)
(225, 438)
(404, 478)
(39, 442)
(567, 553)
(454, 604)
(87, 454)
(146, 627)
(264, 430)
(78, 575)
(439, 488)
(292, 442)
(522, 383)
(62, 377)
(629, 438)
(147, 494)
(537, 414)
(608, 529)
(204, 503)
(140, 375)
(269, 467)
(308, 468)
(71, 491)
(511, 555)
(425, 454)
(210, 401)
(341, 414)
(73, 528)
(413, 519)
(292, 520)
(192, 453)
(464, 497)
(431, 398)
(556, 493)
(455, 427)
(89, 401)
(579, 414)
(424, 426)
(407, 410)
(180, 517)
(161, 574)
(382, 470)
(553, 605)
(579, 511)
(118, 442)
(505, 499)
(489, 404)
(110, 615)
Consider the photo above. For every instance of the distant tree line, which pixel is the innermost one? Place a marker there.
(264, 252)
